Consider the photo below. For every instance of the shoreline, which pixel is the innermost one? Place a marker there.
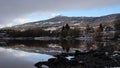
(58, 38)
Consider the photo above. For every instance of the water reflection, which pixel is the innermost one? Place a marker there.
(10, 58)
(24, 54)
(56, 47)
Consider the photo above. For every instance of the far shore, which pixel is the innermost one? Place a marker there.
(54, 38)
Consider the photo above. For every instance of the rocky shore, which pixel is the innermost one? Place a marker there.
(101, 58)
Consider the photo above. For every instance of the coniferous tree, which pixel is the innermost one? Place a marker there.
(65, 30)
(67, 27)
(101, 27)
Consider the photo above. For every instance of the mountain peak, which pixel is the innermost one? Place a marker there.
(61, 20)
(57, 18)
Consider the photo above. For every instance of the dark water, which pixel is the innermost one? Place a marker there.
(24, 54)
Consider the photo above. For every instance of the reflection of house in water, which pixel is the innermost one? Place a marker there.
(86, 46)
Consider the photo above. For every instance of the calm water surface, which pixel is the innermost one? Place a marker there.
(24, 54)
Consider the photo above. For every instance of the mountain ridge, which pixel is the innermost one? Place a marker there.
(61, 20)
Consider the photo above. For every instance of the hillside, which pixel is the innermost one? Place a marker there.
(61, 20)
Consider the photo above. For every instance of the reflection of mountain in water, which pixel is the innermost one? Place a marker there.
(55, 47)
(90, 54)
(98, 55)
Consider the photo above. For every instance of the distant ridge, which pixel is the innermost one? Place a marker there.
(61, 20)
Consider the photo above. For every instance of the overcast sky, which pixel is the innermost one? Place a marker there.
(14, 12)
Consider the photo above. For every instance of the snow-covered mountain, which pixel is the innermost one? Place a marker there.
(61, 20)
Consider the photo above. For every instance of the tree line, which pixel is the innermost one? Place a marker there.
(65, 31)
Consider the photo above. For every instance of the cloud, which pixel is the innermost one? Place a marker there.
(17, 21)
(22, 20)
(12, 9)
(54, 15)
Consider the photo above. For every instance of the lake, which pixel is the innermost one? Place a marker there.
(24, 54)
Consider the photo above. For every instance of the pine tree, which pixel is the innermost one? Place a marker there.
(101, 27)
(67, 27)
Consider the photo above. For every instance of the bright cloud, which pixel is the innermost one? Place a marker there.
(18, 21)
(54, 15)
(22, 20)
(10, 10)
